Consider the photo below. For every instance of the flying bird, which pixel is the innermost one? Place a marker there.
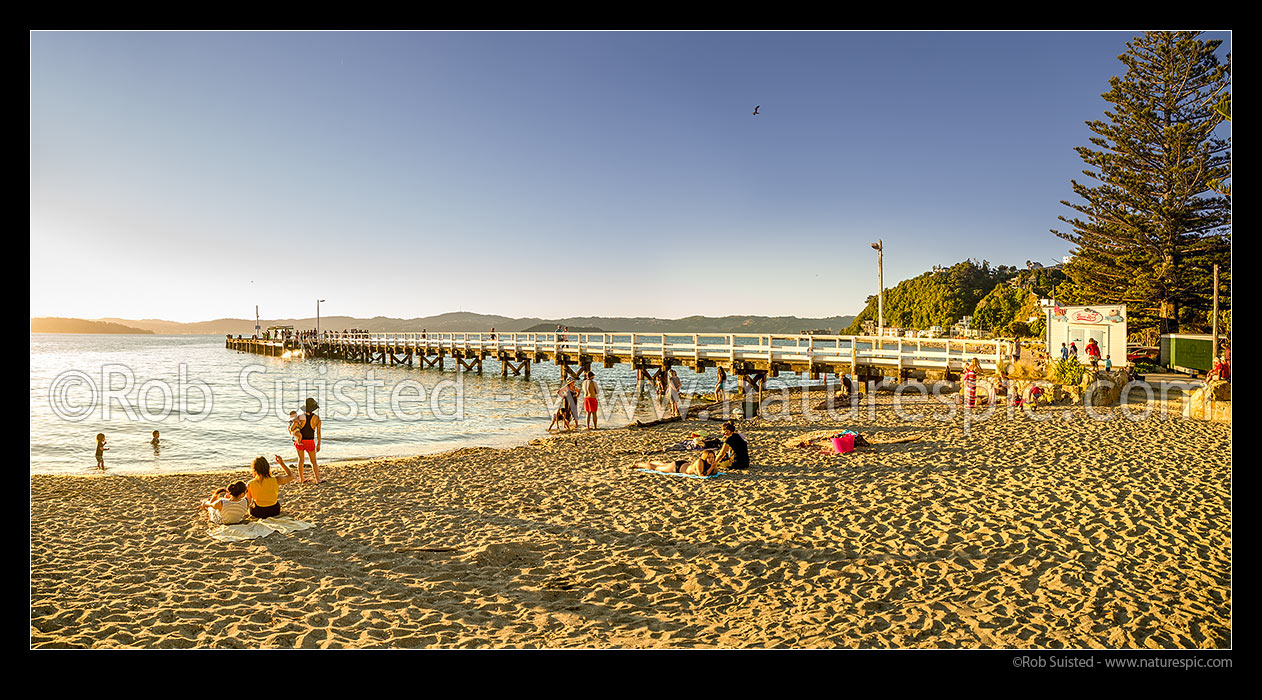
(756, 110)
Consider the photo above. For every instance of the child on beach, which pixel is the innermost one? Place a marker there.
(100, 450)
(565, 411)
(295, 427)
(227, 506)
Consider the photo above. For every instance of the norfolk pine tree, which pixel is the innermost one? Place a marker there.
(1155, 224)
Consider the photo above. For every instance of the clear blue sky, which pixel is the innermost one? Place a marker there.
(189, 176)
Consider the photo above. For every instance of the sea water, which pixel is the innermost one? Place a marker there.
(217, 409)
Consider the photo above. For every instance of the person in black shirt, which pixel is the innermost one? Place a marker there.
(735, 451)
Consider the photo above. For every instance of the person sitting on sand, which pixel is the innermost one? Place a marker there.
(705, 465)
(228, 506)
(735, 451)
(264, 489)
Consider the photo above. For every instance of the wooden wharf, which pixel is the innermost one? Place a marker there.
(755, 357)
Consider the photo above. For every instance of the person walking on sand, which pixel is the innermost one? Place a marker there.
(1064, 352)
(264, 489)
(591, 391)
(310, 443)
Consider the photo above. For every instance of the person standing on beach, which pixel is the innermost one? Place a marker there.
(719, 395)
(569, 396)
(970, 382)
(1093, 354)
(311, 439)
(1064, 352)
(591, 391)
(673, 390)
(100, 450)
(1073, 349)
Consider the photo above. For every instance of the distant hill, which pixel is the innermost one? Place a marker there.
(468, 321)
(78, 325)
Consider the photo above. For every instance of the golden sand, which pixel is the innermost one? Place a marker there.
(1023, 534)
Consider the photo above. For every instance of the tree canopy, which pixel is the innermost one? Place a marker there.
(936, 298)
(1148, 233)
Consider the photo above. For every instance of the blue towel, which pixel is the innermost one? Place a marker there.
(690, 476)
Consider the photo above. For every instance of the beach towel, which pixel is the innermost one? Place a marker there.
(241, 532)
(690, 476)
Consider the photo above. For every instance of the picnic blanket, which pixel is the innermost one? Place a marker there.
(690, 476)
(253, 530)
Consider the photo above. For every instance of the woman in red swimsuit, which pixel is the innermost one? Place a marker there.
(309, 444)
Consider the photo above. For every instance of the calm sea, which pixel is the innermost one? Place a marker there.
(217, 409)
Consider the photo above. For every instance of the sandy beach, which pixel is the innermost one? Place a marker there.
(1025, 534)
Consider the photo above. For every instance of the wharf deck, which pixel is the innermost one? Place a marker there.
(753, 356)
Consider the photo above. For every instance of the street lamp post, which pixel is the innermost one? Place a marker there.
(879, 247)
(318, 302)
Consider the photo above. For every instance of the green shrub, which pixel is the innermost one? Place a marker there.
(1068, 371)
(1142, 367)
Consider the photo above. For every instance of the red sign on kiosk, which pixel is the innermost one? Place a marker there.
(1086, 316)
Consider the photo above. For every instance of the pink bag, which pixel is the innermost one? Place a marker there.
(844, 443)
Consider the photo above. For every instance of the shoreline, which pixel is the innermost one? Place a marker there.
(1169, 407)
(1020, 534)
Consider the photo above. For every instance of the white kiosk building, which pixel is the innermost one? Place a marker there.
(1078, 324)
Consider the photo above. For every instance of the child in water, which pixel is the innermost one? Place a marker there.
(100, 450)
